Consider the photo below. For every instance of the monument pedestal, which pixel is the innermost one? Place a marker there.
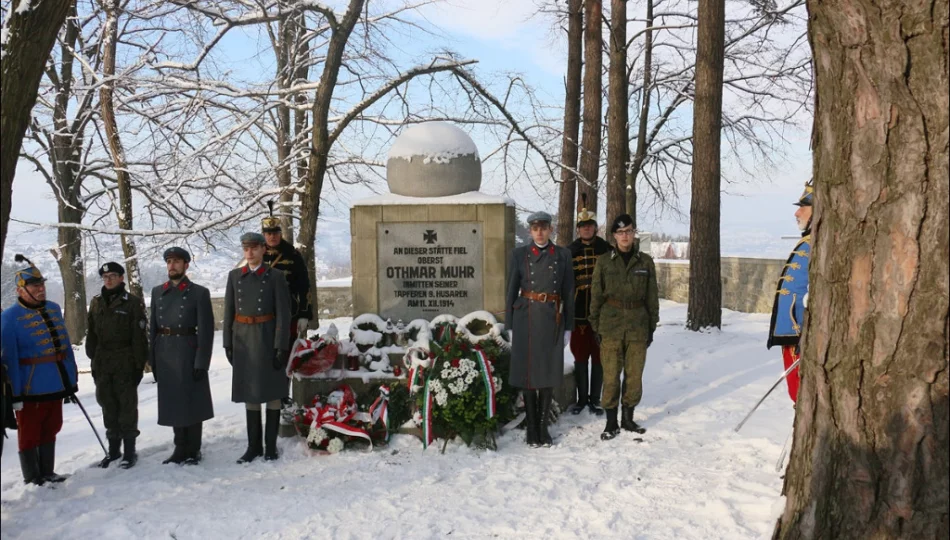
(416, 258)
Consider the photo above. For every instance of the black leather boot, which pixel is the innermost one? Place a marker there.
(30, 465)
(546, 398)
(596, 382)
(47, 462)
(181, 452)
(611, 430)
(270, 434)
(130, 458)
(115, 452)
(255, 447)
(627, 423)
(193, 446)
(581, 381)
(531, 418)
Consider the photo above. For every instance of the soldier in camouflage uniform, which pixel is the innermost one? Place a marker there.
(117, 345)
(624, 311)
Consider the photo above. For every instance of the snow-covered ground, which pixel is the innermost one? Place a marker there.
(692, 477)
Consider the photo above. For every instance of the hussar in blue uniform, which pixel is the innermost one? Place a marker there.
(39, 361)
(791, 294)
(181, 329)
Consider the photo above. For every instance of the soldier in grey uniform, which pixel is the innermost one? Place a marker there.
(539, 310)
(181, 330)
(256, 336)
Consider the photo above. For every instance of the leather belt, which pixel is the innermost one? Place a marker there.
(58, 357)
(546, 298)
(254, 319)
(541, 297)
(166, 331)
(624, 305)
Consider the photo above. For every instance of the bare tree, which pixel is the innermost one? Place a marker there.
(593, 103)
(29, 32)
(643, 116)
(618, 137)
(705, 288)
(124, 210)
(572, 119)
(62, 154)
(871, 452)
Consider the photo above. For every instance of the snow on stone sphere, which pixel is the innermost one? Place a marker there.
(433, 159)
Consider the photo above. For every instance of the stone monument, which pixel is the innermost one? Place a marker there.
(435, 244)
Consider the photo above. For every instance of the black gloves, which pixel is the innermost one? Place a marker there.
(229, 353)
(70, 399)
(598, 338)
(650, 339)
(280, 358)
(200, 374)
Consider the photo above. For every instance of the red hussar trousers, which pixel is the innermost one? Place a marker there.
(789, 355)
(38, 423)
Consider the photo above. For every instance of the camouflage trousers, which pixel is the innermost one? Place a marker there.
(627, 357)
(118, 395)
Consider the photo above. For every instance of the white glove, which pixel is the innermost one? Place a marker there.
(567, 336)
(805, 300)
(302, 327)
(18, 406)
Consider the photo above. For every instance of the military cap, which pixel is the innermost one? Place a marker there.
(585, 216)
(176, 253)
(113, 267)
(621, 221)
(270, 223)
(807, 197)
(539, 217)
(29, 275)
(252, 238)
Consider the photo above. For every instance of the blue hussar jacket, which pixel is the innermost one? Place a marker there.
(788, 311)
(37, 353)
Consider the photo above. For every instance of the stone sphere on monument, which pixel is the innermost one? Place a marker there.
(433, 159)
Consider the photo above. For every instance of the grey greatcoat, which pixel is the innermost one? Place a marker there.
(537, 352)
(185, 311)
(261, 293)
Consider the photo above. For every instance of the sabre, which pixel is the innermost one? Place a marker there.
(780, 379)
(83, 409)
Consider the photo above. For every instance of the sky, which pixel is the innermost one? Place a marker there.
(505, 36)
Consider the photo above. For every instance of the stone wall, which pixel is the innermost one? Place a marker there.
(748, 285)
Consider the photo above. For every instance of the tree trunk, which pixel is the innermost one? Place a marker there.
(123, 180)
(644, 116)
(30, 38)
(285, 35)
(572, 119)
(870, 453)
(618, 137)
(320, 140)
(73, 271)
(705, 288)
(593, 66)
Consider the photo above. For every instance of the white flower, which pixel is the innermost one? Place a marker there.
(417, 418)
(335, 445)
(317, 436)
(441, 397)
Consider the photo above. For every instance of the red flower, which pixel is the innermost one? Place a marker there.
(455, 362)
(431, 354)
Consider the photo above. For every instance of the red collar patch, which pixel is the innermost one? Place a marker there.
(534, 250)
(166, 285)
(260, 270)
(183, 285)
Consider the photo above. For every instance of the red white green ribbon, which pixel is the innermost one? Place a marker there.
(489, 382)
(379, 410)
(427, 435)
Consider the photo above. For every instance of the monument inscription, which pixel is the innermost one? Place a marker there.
(426, 269)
